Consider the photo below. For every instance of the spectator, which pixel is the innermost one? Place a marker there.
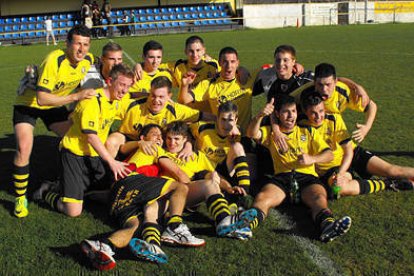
(86, 14)
(49, 30)
(133, 22)
(96, 20)
(106, 14)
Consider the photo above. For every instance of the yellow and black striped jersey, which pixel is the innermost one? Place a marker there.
(140, 158)
(138, 115)
(56, 76)
(198, 163)
(144, 84)
(341, 98)
(301, 140)
(335, 133)
(207, 70)
(208, 141)
(217, 91)
(91, 116)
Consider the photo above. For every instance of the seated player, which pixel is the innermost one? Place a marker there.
(295, 178)
(152, 58)
(220, 141)
(350, 158)
(59, 76)
(205, 184)
(156, 109)
(136, 195)
(85, 160)
(220, 89)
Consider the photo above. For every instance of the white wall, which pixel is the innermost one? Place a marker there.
(284, 15)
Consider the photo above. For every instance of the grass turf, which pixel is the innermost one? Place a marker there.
(381, 240)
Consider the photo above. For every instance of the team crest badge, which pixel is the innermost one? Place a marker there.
(303, 137)
(83, 70)
(45, 81)
(91, 124)
(284, 87)
(164, 122)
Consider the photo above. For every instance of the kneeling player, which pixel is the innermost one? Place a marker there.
(295, 176)
(348, 157)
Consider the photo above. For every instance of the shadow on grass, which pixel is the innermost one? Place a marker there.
(302, 224)
(8, 205)
(44, 161)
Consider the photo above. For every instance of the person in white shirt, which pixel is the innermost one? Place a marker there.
(49, 31)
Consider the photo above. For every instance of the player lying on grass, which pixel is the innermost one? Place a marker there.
(348, 157)
(205, 184)
(156, 109)
(136, 195)
(59, 75)
(295, 178)
(221, 143)
(85, 160)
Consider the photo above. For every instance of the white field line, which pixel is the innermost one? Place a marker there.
(323, 262)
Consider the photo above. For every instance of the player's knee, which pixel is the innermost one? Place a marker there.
(212, 187)
(72, 211)
(238, 149)
(394, 171)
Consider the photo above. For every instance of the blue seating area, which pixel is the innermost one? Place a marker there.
(31, 27)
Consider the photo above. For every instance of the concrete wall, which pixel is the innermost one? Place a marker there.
(284, 15)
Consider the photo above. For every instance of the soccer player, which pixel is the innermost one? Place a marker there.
(135, 196)
(152, 56)
(295, 177)
(281, 77)
(205, 184)
(85, 160)
(225, 87)
(338, 97)
(156, 109)
(98, 74)
(351, 158)
(60, 74)
(220, 142)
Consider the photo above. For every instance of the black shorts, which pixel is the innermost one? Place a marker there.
(82, 173)
(130, 195)
(283, 181)
(360, 162)
(26, 114)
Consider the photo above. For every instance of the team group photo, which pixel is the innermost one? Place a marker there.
(274, 151)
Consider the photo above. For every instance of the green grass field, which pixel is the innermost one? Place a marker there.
(381, 240)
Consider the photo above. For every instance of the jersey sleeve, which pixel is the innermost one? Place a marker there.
(187, 114)
(89, 116)
(48, 74)
(341, 131)
(355, 102)
(266, 133)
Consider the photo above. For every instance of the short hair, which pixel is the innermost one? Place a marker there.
(310, 97)
(325, 70)
(285, 49)
(121, 69)
(146, 129)
(228, 106)
(81, 30)
(228, 50)
(111, 47)
(193, 39)
(160, 82)
(178, 128)
(151, 45)
(282, 100)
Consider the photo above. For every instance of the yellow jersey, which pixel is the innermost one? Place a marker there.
(301, 140)
(56, 76)
(91, 116)
(138, 115)
(198, 163)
